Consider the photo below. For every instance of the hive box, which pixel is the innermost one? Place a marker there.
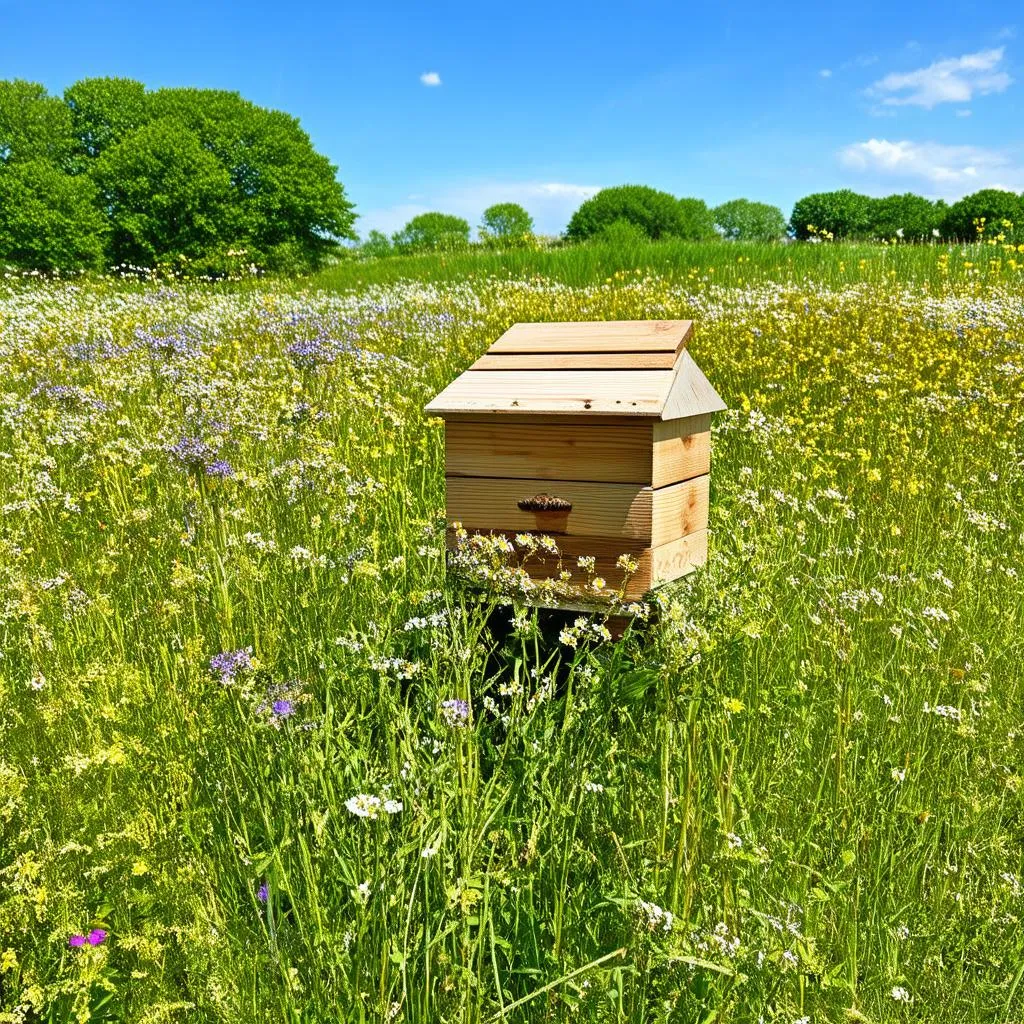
(597, 434)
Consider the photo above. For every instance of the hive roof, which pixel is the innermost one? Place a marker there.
(636, 368)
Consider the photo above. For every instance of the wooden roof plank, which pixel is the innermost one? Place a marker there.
(627, 393)
(595, 336)
(577, 361)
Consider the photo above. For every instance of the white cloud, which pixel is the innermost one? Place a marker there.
(550, 203)
(825, 72)
(964, 112)
(430, 78)
(951, 171)
(955, 80)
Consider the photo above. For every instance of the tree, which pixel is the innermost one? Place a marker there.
(506, 223)
(376, 244)
(657, 214)
(433, 231)
(696, 222)
(741, 220)
(33, 125)
(105, 110)
(49, 220)
(907, 216)
(290, 206)
(167, 196)
(843, 214)
(986, 214)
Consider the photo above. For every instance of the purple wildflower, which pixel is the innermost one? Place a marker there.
(310, 352)
(191, 453)
(263, 893)
(220, 468)
(169, 340)
(283, 708)
(455, 712)
(76, 940)
(97, 936)
(228, 664)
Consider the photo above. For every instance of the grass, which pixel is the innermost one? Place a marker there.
(251, 732)
(734, 264)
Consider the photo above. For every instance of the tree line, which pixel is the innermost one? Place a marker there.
(114, 174)
(637, 213)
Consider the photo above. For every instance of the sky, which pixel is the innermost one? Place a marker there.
(455, 106)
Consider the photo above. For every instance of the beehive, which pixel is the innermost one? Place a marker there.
(597, 434)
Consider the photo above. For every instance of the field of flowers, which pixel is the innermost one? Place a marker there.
(260, 761)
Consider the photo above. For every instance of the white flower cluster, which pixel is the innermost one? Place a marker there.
(366, 805)
(653, 917)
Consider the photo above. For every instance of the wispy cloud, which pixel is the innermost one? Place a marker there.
(825, 72)
(430, 78)
(550, 203)
(954, 80)
(951, 171)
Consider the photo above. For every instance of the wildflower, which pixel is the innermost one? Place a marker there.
(455, 712)
(901, 995)
(228, 664)
(364, 805)
(655, 918)
(427, 852)
(263, 893)
(76, 940)
(96, 937)
(220, 468)
(283, 708)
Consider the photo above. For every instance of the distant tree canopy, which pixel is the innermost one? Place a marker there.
(741, 220)
(987, 213)
(505, 223)
(657, 214)
(432, 232)
(189, 176)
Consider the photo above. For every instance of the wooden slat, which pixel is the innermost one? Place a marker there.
(598, 509)
(678, 558)
(626, 392)
(682, 456)
(596, 336)
(679, 509)
(619, 453)
(577, 361)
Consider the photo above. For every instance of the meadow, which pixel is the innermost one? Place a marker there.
(262, 760)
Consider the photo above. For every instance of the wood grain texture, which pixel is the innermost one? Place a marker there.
(598, 509)
(679, 510)
(596, 336)
(680, 458)
(577, 361)
(623, 392)
(679, 557)
(613, 453)
(690, 393)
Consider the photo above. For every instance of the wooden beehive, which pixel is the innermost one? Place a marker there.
(597, 434)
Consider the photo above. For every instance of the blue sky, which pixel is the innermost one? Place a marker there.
(455, 106)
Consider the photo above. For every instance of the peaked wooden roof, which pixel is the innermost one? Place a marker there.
(613, 367)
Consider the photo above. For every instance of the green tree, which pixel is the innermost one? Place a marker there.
(167, 197)
(907, 216)
(506, 223)
(844, 214)
(105, 110)
(376, 244)
(742, 220)
(657, 214)
(985, 214)
(622, 234)
(33, 125)
(49, 219)
(291, 209)
(432, 231)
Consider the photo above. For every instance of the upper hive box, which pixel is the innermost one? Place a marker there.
(597, 434)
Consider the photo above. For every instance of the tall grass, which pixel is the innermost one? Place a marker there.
(258, 747)
(733, 264)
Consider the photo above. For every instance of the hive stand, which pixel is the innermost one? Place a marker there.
(597, 434)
